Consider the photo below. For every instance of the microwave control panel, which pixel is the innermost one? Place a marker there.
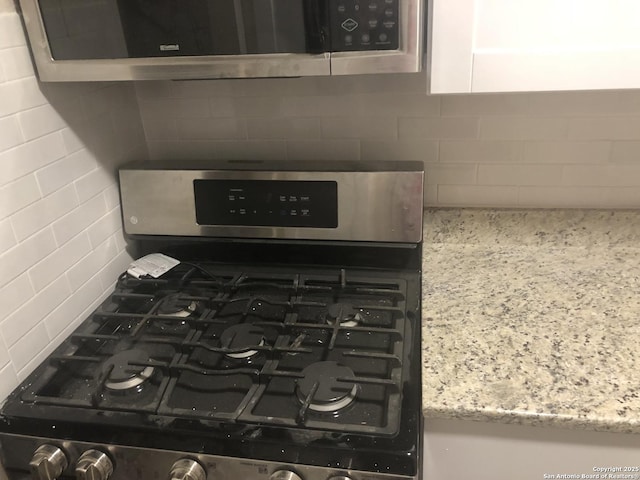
(364, 25)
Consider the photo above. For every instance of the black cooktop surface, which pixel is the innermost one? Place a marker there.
(235, 360)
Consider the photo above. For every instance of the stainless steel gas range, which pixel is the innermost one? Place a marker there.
(284, 345)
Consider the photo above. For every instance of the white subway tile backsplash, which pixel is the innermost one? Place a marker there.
(87, 267)
(290, 128)
(414, 149)
(17, 324)
(360, 127)
(569, 197)
(625, 152)
(57, 263)
(105, 227)
(27, 253)
(43, 212)
(248, 106)
(602, 175)
(16, 63)
(112, 196)
(451, 174)
(72, 141)
(438, 128)
(479, 151)
(65, 171)
(621, 197)
(161, 129)
(23, 350)
(7, 236)
(20, 95)
(581, 103)
(40, 121)
(10, 134)
(15, 294)
(322, 149)
(176, 108)
(79, 219)
(523, 128)
(11, 34)
(94, 183)
(18, 194)
(211, 128)
(519, 174)
(29, 157)
(485, 104)
(605, 128)
(5, 358)
(72, 307)
(110, 273)
(477, 195)
(213, 150)
(560, 152)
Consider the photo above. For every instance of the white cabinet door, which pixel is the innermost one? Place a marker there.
(528, 45)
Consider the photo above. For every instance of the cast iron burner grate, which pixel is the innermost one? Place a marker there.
(315, 350)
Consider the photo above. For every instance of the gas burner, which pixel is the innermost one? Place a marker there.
(241, 336)
(124, 376)
(175, 305)
(331, 395)
(343, 313)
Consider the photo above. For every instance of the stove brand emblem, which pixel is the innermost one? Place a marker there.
(170, 47)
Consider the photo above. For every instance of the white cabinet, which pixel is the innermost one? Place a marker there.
(529, 45)
(457, 450)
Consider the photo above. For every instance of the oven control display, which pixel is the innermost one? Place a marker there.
(273, 203)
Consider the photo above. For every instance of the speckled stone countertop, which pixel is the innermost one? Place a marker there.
(532, 317)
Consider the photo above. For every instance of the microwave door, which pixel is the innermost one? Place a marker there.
(102, 40)
(155, 28)
(82, 30)
(283, 26)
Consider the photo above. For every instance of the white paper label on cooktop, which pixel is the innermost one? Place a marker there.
(154, 264)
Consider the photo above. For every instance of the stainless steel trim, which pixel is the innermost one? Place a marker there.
(148, 464)
(372, 206)
(408, 58)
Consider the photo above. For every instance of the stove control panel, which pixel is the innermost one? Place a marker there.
(88, 461)
(274, 203)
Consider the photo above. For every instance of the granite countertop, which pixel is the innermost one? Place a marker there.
(532, 317)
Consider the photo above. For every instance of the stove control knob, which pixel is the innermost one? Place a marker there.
(48, 463)
(94, 465)
(285, 475)
(187, 469)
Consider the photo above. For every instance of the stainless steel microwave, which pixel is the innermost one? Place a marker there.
(84, 40)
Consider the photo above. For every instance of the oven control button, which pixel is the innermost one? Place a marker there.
(187, 469)
(94, 465)
(48, 463)
(285, 475)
